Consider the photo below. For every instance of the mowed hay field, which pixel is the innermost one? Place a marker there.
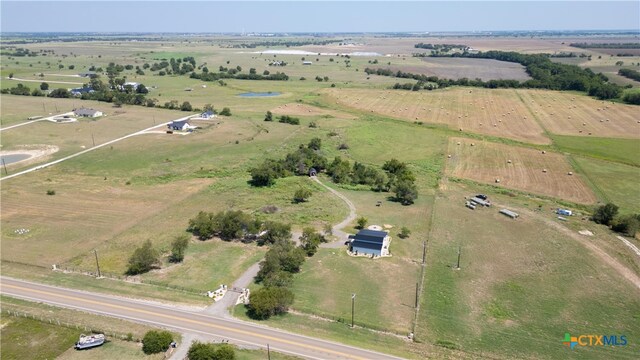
(485, 162)
(565, 113)
(498, 112)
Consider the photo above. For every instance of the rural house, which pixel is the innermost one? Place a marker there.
(370, 242)
(208, 115)
(83, 112)
(81, 90)
(182, 125)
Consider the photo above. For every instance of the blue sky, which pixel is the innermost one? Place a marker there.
(315, 16)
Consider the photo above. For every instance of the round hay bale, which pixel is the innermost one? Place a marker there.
(495, 125)
(544, 170)
(584, 124)
(460, 129)
(508, 161)
(544, 152)
(449, 156)
(589, 133)
(497, 181)
(570, 173)
(473, 144)
(458, 142)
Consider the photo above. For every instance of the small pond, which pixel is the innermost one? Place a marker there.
(259, 94)
(8, 159)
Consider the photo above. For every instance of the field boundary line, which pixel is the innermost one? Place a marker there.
(596, 189)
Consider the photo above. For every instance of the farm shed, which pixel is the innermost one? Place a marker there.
(306, 63)
(83, 112)
(370, 242)
(81, 90)
(479, 201)
(564, 212)
(509, 213)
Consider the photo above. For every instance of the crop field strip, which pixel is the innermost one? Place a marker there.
(577, 115)
(492, 112)
(517, 168)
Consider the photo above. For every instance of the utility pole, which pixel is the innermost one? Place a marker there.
(424, 251)
(458, 265)
(353, 307)
(93, 139)
(417, 294)
(268, 353)
(5, 167)
(97, 263)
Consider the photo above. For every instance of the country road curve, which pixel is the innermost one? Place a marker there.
(337, 228)
(236, 331)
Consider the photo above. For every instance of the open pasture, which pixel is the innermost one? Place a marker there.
(517, 168)
(492, 112)
(77, 218)
(565, 113)
(73, 137)
(521, 285)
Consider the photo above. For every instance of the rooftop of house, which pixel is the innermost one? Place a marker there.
(370, 236)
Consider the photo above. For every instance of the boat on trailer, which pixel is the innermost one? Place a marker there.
(89, 341)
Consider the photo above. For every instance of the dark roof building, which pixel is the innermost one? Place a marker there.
(370, 242)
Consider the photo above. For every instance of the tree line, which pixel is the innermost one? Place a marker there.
(585, 45)
(545, 75)
(630, 74)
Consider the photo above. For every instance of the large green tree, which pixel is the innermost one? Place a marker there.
(269, 301)
(143, 259)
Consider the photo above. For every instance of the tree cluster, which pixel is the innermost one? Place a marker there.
(298, 162)
(286, 119)
(143, 259)
(227, 225)
(208, 351)
(607, 215)
(156, 341)
(630, 73)
(235, 74)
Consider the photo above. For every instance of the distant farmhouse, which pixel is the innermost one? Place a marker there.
(207, 115)
(307, 63)
(84, 112)
(81, 90)
(370, 242)
(182, 125)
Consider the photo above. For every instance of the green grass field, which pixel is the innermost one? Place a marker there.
(623, 151)
(24, 337)
(501, 304)
(618, 182)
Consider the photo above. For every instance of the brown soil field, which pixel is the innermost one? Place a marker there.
(308, 110)
(485, 162)
(485, 69)
(498, 112)
(406, 45)
(565, 113)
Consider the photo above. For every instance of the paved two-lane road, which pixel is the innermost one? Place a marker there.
(238, 332)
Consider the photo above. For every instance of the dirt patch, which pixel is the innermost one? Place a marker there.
(517, 168)
(308, 110)
(36, 153)
(457, 68)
